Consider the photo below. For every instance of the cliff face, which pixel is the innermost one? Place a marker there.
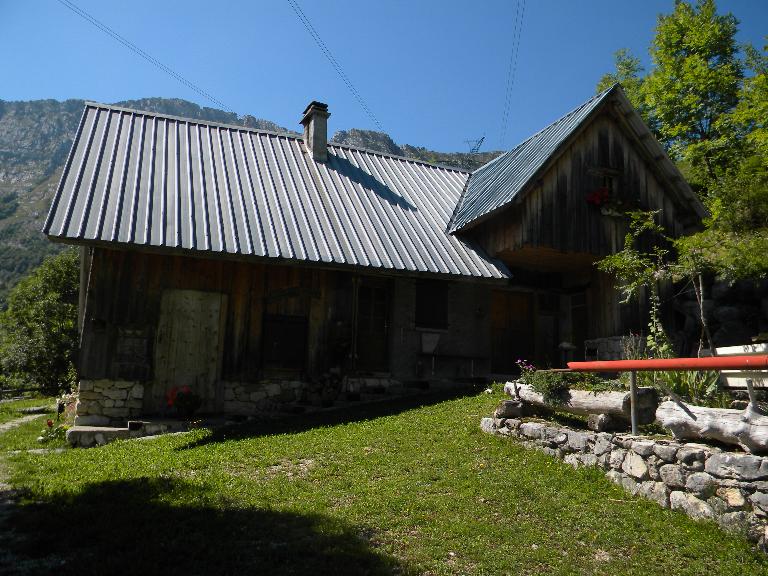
(35, 137)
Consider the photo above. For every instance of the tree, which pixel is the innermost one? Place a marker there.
(38, 331)
(629, 73)
(695, 83)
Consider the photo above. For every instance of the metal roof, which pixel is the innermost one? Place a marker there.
(154, 181)
(494, 185)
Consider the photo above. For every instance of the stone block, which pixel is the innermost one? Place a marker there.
(735, 522)
(616, 459)
(701, 485)
(256, 396)
(134, 404)
(588, 459)
(91, 420)
(732, 497)
(759, 501)
(509, 409)
(116, 394)
(137, 391)
(532, 430)
(486, 425)
(229, 394)
(635, 466)
(602, 443)
(688, 503)
(690, 455)
(667, 452)
(672, 475)
(85, 386)
(273, 389)
(655, 491)
(643, 448)
(737, 466)
(572, 459)
(614, 476)
(578, 441)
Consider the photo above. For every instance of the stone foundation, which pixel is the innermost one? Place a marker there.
(103, 402)
(705, 482)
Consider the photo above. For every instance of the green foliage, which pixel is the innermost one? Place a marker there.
(554, 386)
(38, 331)
(629, 73)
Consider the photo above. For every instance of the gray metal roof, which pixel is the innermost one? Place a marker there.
(496, 184)
(153, 181)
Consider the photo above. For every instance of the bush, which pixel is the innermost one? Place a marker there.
(38, 331)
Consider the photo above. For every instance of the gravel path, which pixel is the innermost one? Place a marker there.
(18, 422)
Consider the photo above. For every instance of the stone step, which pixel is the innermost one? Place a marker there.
(87, 436)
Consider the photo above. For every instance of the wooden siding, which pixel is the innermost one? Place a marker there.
(554, 212)
(554, 229)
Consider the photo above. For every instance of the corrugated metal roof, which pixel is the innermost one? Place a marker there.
(495, 184)
(154, 181)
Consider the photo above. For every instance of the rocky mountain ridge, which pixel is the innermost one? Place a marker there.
(36, 135)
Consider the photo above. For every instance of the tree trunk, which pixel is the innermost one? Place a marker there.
(584, 402)
(748, 428)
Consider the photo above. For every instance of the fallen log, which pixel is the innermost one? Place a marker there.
(747, 428)
(585, 402)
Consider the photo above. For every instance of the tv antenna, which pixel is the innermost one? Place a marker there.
(474, 145)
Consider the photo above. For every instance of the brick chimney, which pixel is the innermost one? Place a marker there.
(315, 124)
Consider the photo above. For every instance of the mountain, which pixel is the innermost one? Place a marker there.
(35, 137)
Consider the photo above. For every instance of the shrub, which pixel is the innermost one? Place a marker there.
(38, 331)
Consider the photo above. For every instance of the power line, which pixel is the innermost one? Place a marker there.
(131, 46)
(336, 66)
(512, 69)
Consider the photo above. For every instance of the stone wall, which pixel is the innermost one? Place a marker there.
(730, 488)
(103, 402)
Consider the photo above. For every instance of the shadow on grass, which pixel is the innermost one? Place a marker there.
(163, 526)
(291, 423)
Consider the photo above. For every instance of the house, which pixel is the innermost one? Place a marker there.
(261, 268)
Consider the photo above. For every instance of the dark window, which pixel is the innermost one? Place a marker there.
(431, 304)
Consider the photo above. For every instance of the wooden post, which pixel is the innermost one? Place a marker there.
(633, 400)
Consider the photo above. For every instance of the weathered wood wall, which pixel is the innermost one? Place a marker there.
(554, 227)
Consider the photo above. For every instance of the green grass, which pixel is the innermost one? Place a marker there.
(413, 491)
(10, 410)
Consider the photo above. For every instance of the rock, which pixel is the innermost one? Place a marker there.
(629, 484)
(91, 420)
(635, 466)
(572, 459)
(690, 455)
(616, 459)
(738, 466)
(513, 423)
(578, 441)
(732, 497)
(560, 439)
(701, 485)
(486, 425)
(85, 386)
(137, 391)
(735, 522)
(672, 475)
(602, 443)
(532, 430)
(718, 505)
(655, 491)
(759, 502)
(509, 409)
(588, 459)
(642, 447)
(653, 467)
(614, 476)
(666, 452)
(688, 503)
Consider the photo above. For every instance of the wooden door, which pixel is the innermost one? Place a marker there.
(512, 330)
(372, 339)
(188, 347)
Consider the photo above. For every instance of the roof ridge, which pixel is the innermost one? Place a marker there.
(291, 135)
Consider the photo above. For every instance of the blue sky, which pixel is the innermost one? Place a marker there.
(432, 72)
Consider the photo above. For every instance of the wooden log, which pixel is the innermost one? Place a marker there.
(747, 428)
(585, 402)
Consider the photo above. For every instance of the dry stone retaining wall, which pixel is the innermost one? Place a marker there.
(705, 482)
(102, 402)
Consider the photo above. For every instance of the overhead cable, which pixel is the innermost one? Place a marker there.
(336, 66)
(512, 69)
(131, 46)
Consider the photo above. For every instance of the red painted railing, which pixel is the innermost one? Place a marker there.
(756, 362)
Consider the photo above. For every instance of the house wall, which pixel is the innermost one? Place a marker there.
(555, 228)
(142, 309)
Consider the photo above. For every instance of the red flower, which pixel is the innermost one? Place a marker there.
(50, 423)
(170, 396)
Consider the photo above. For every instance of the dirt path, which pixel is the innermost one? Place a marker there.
(18, 422)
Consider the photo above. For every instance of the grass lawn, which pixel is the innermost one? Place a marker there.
(10, 410)
(405, 490)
